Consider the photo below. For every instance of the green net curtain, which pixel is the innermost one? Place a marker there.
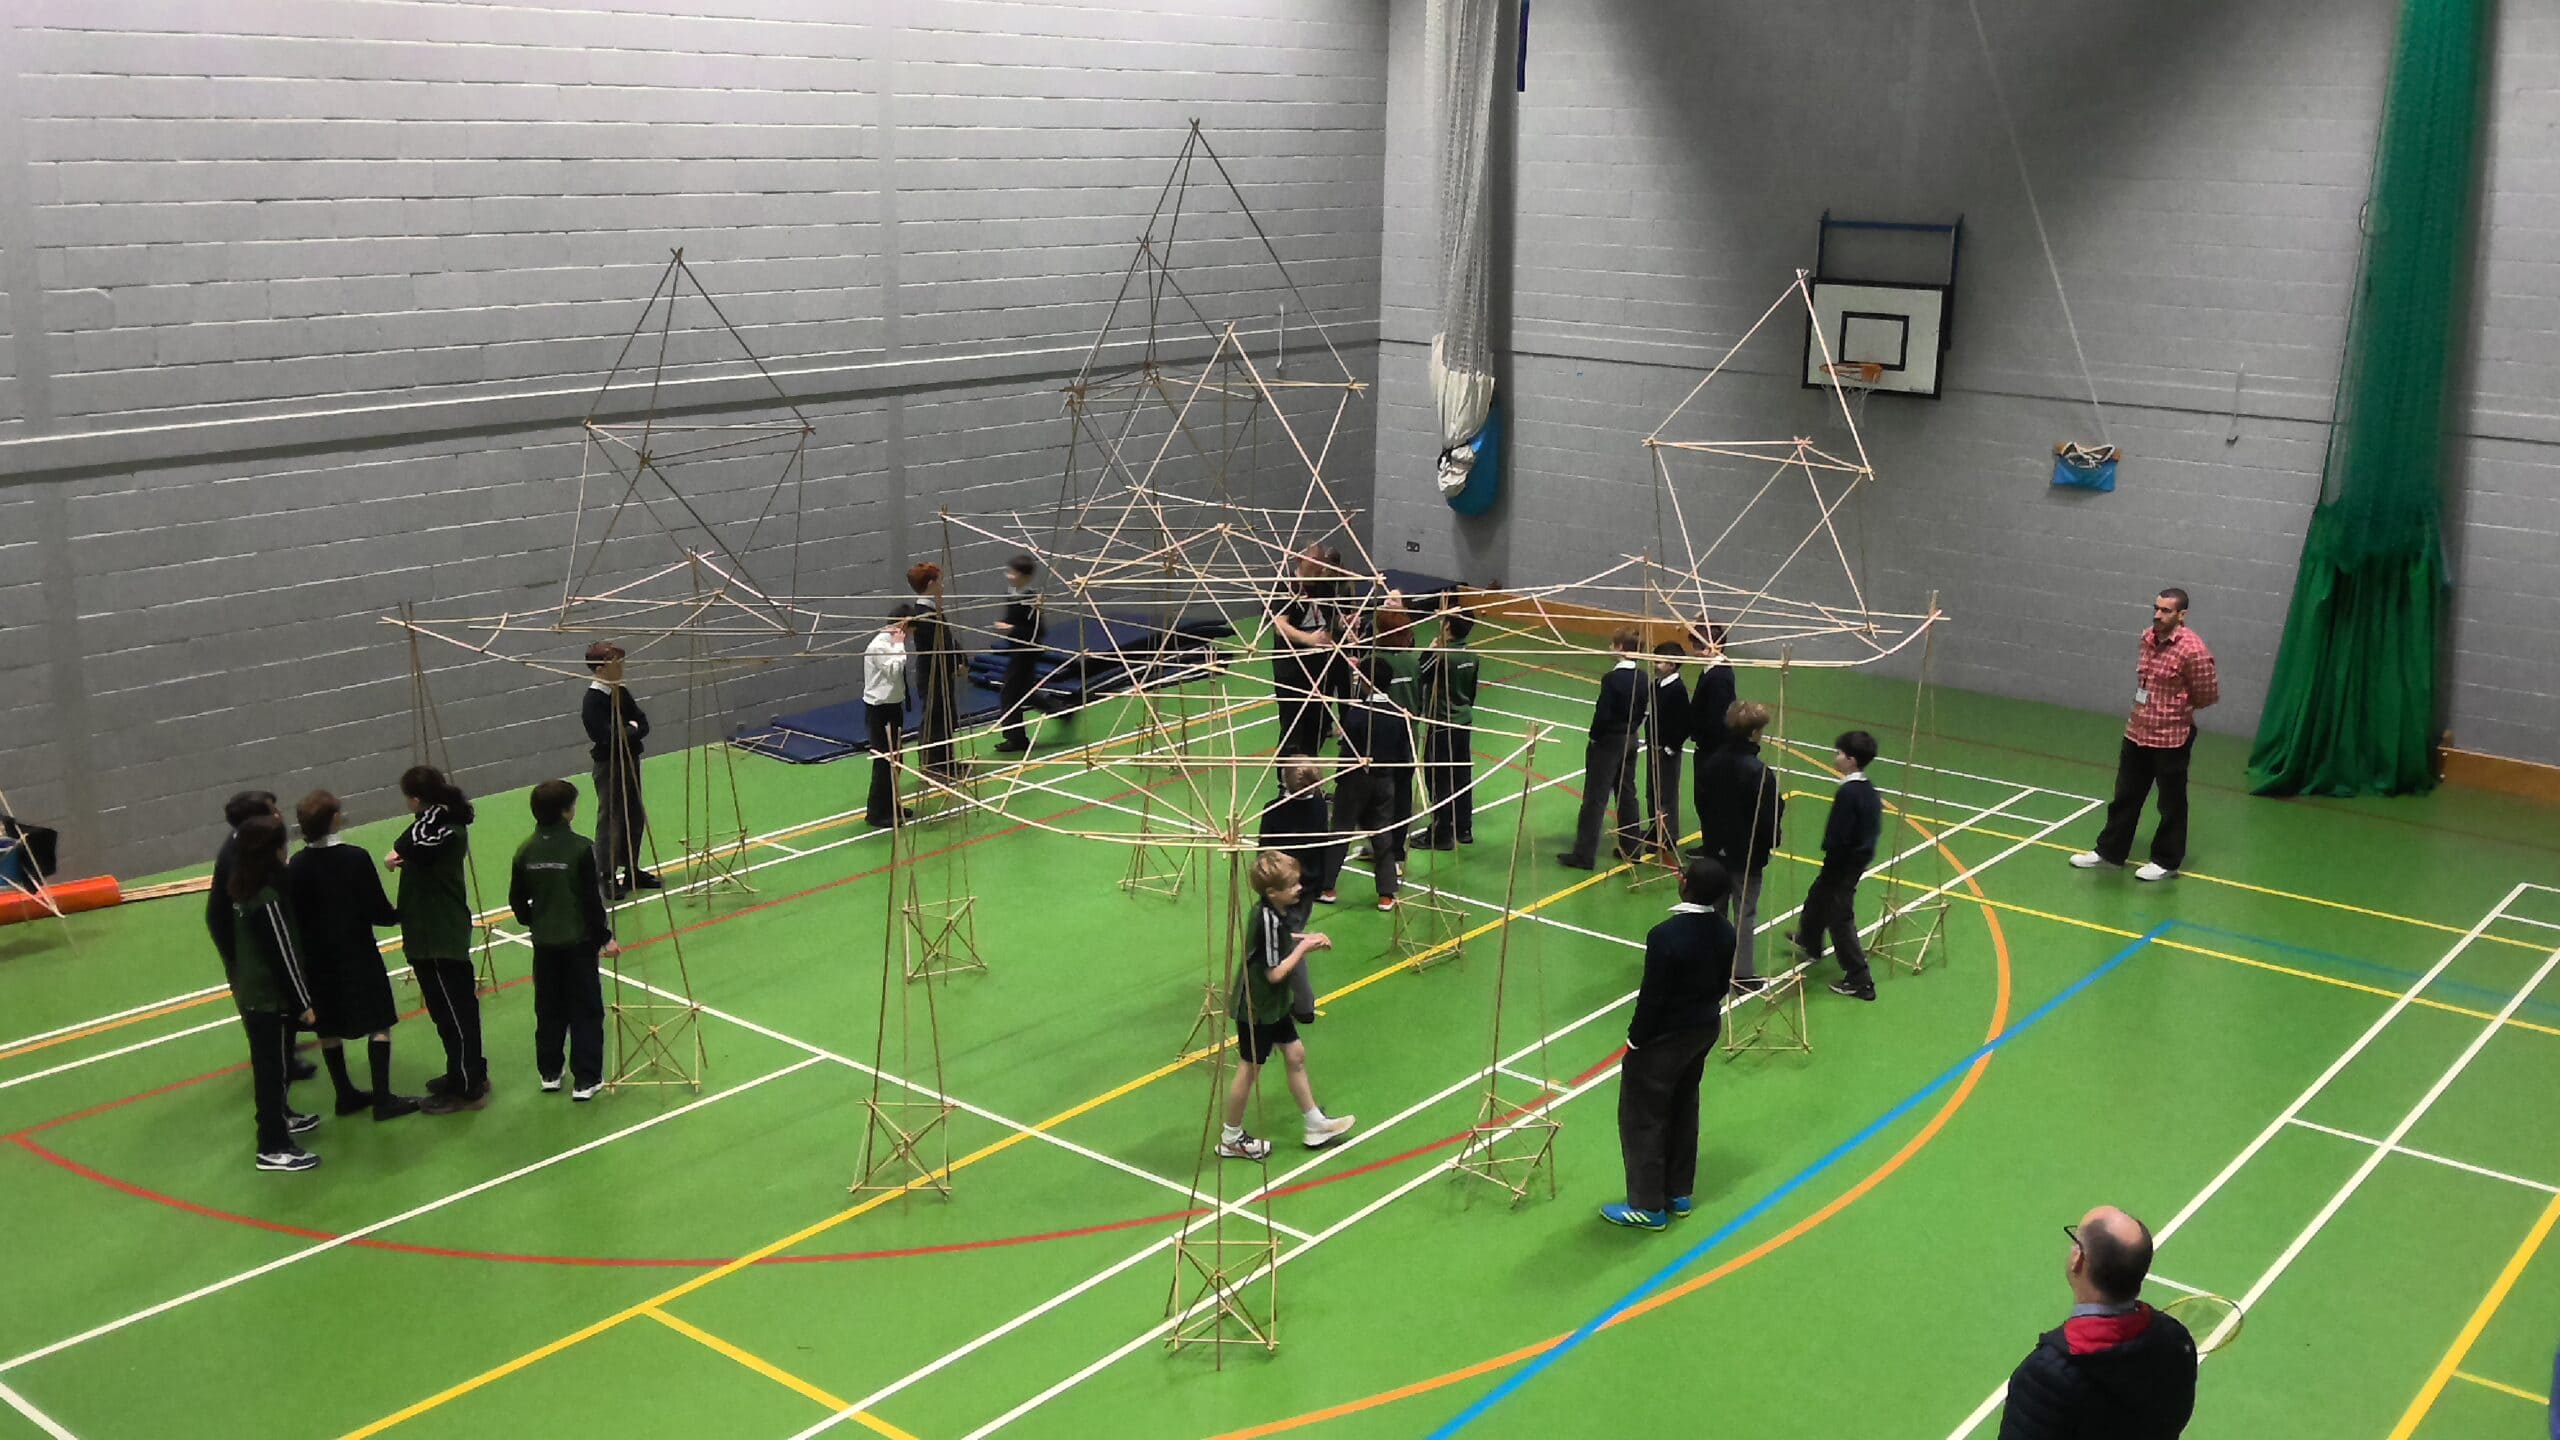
(2352, 705)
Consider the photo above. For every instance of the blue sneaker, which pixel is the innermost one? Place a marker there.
(1635, 1219)
(1681, 1205)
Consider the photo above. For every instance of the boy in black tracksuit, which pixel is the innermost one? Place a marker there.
(617, 734)
(268, 984)
(557, 895)
(1299, 824)
(1666, 729)
(1376, 799)
(1020, 629)
(1848, 844)
(1609, 759)
(1688, 967)
(1449, 678)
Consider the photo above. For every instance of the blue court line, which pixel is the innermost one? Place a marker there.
(2406, 977)
(1795, 1182)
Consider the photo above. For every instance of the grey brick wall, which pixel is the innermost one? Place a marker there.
(300, 307)
(2201, 167)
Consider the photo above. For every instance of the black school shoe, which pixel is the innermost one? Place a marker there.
(392, 1107)
(648, 880)
(355, 1102)
(1573, 862)
(300, 1070)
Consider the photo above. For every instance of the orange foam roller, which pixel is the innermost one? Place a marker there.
(96, 893)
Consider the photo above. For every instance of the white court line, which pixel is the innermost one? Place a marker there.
(1885, 760)
(25, 1040)
(1367, 1134)
(687, 887)
(487, 919)
(2429, 1156)
(2529, 920)
(38, 1418)
(1061, 1142)
(14, 1081)
(2276, 1126)
(2399, 1132)
(2156, 1278)
(336, 1242)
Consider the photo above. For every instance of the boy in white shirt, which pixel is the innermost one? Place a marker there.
(884, 711)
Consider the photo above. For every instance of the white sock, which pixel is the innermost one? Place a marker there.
(1316, 1117)
(1232, 1134)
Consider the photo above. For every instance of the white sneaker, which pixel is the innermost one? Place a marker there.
(550, 1083)
(2091, 860)
(1244, 1147)
(1331, 1128)
(585, 1093)
(2153, 871)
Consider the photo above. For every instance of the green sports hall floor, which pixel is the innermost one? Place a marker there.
(2323, 1064)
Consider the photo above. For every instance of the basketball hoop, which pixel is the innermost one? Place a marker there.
(1856, 380)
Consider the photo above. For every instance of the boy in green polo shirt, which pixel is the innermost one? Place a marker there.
(558, 896)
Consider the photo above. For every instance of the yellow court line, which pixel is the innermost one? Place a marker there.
(2489, 1303)
(2502, 1387)
(817, 1228)
(777, 1374)
(2254, 964)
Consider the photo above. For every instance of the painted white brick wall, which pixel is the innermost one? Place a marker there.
(321, 290)
(2201, 168)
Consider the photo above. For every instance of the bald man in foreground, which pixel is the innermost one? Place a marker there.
(2117, 1369)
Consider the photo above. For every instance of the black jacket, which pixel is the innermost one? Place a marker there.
(599, 711)
(1621, 709)
(1849, 837)
(1715, 695)
(1670, 727)
(1022, 615)
(1688, 968)
(2143, 1389)
(1739, 807)
(336, 897)
(1292, 821)
(219, 920)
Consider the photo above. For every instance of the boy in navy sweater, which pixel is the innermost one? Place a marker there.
(1609, 758)
(1848, 846)
(1688, 967)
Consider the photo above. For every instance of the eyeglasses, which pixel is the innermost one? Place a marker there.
(2073, 1232)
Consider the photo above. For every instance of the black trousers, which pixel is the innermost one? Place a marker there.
(2138, 768)
(1608, 767)
(1010, 699)
(270, 1051)
(1831, 917)
(1448, 765)
(622, 818)
(880, 725)
(1662, 820)
(1377, 801)
(568, 1004)
(450, 988)
(1658, 1116)
(1305, 717)
(940, 720)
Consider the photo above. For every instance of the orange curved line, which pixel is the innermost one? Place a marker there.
(1928, 1132)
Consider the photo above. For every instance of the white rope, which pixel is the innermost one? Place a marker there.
(2009, 127)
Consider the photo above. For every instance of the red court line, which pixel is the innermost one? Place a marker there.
(25, 1141)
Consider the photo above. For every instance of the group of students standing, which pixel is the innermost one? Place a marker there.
(1395, 692)
(298, 949)
(918, 653)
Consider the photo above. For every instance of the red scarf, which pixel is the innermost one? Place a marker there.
(2089, 1334)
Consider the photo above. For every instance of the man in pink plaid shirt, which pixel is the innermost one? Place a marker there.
(2173, 677)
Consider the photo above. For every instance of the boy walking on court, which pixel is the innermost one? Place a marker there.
(1273, 952)
(1848, 844)
(558, 897)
